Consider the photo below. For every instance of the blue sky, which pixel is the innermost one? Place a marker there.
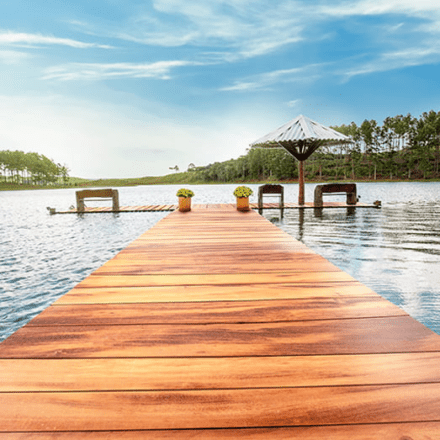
(129, 88)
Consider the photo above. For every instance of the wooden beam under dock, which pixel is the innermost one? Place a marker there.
(215, 324)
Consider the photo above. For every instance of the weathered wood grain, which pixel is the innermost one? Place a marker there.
(215, 292)
(148, 374)
(220, 408)
(234, 312)
(220, 265)
(311, 278)
(346, 336)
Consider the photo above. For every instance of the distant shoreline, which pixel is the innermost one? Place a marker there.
(172, 179)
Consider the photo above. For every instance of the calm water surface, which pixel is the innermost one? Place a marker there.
(394, 250)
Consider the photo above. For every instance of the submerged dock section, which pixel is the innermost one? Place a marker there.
(215, 324)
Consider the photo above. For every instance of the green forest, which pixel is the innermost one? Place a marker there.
(17, 167)
(401, 148)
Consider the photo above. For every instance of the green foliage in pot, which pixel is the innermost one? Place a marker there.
(242, 191)
(183, 192)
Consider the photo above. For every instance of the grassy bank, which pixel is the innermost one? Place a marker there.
(75, 182)
(185, 178)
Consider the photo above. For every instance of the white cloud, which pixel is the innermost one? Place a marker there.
(375, 7)
(95, 71)
(410, 56)
(400, 51)
(240, 29)
(240, 86)
(294, 103)
(152, 31)
(21, 38)
(268, 79)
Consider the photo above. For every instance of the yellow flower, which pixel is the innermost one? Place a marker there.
(242, 191)
(183, 192)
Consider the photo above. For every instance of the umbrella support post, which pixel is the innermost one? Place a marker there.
(301, 199)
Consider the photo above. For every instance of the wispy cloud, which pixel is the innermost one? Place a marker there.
(398, 59)
(294, 103)
(374, 7)
(239, 29)
(268, 79)
(21, 38)
(94, 71)
(410, 41)
(236, 30)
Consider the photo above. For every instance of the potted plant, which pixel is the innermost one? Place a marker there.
(184, 199)
(242, 194)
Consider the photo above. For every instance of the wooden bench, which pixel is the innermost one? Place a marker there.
(270, 190)
(97, 194)
(335, 189)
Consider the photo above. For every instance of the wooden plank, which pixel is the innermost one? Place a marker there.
(86, 193)
(219, 292)
(232, 311)
(347, 336)
(148, 250)
(218, 312)
(220, 265)
(201, 225)
(205, 279)
(50, 375)
(405, 431)
(221, 239)
(142, 245)
(220, 408)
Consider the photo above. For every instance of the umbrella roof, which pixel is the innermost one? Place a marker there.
(301, 137)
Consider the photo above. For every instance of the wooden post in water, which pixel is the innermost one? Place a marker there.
(80, 207)
(115, 200)
(301, 198)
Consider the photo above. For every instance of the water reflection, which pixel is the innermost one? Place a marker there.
(394, 250)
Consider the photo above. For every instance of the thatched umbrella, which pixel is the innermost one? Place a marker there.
(301, 137)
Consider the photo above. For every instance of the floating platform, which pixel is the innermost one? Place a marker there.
(161, 208)
(215, 324)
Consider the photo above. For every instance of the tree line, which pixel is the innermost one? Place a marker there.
(402, 147)
(31, 169)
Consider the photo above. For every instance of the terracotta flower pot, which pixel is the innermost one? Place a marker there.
(184, 204)
(243, 204)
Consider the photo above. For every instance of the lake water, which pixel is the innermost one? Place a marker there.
(394, 250)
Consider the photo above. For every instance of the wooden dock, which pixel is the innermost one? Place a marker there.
(215, 324)
(169, 208)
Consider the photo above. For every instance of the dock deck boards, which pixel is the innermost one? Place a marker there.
(162, 208)
(215, 324)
